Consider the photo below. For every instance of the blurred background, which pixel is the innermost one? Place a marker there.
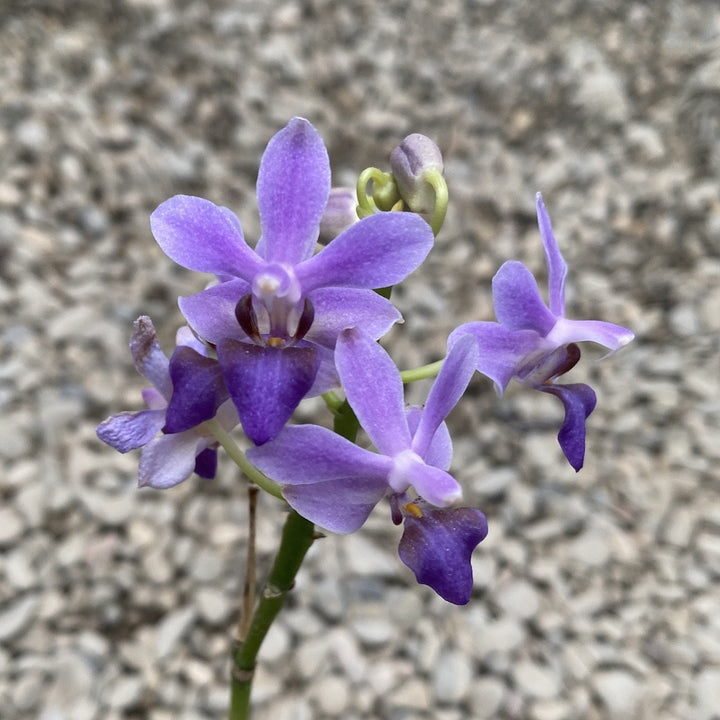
(596, 594)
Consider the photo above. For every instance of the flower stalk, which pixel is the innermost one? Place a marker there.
(297, 537)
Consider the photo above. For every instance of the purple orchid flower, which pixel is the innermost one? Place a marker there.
(276, 314)
(536, 344)
(336, 484)
(170, 458)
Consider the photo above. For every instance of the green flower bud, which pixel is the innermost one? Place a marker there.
(412, 163)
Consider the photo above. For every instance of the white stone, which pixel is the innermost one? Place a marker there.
(619, 692)
(171, 630)
(535, 681)
(17, 616)
(452, 677)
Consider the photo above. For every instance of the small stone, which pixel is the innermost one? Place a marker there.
(493, 483)
(363, 557)
(214, 608)
(502, 636)
(27, 691)
(125, 692)
(331, 695)
(452, 677)
(706, 694)
(171, 630)
(534, 680)
(590, 548)
(487, 696)
(619, 692)
(551, 709)
(17, 616)
(518, 598)
(411, 695)
(373, 632)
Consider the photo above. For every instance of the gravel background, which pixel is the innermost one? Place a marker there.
(597, 593)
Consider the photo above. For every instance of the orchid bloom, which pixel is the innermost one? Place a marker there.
(276, 313)
(171, 457)
(535, 343)
(336, 484)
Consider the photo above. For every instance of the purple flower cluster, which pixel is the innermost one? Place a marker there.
(536, 344)
(283, 322)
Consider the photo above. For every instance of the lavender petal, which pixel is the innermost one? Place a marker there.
(292, 190)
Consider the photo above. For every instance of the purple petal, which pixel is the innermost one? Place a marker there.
(517, 301)
(440, 451)
(579, 401)
(606, 334)
(327, 376)
(378, 251)
(501, 351)
(339, 308)
(211, 313)
(206, 463)
(436, 486)
(306, 454)
(150, 361)
(326, 478)
(127, 431)
(198, 235)
(266, 384)
(292, 191)
(169, 459)
(556, 265)
(374, 390)
(198, 390)
(437, 547)
(450, 384)
(185, 336)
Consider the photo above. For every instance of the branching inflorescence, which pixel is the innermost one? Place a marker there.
(283, 322)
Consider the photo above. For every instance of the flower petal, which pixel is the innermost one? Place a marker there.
(340, 308)
(169, 459)
(326, 478)
(198, 390)
(206, 463)
(440, 451)
(437, 547)
(198, 235)
(129, 430)
(211, 313)
(266, 384)
(150, 361)
(436, 486)
(292, 191)
(517, 301)
(606, 334)
(501, 351)
(450, 384)
(556, 265)
(377, 251)
(374, 390)
(579, 401)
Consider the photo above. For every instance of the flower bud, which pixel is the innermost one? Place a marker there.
(411, 161)
(340, 213)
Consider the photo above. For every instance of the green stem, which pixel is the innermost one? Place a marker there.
(421, 373)
(240, 459)
(298, 535)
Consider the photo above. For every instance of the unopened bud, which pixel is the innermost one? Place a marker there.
(340, 213)
(411, 162)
